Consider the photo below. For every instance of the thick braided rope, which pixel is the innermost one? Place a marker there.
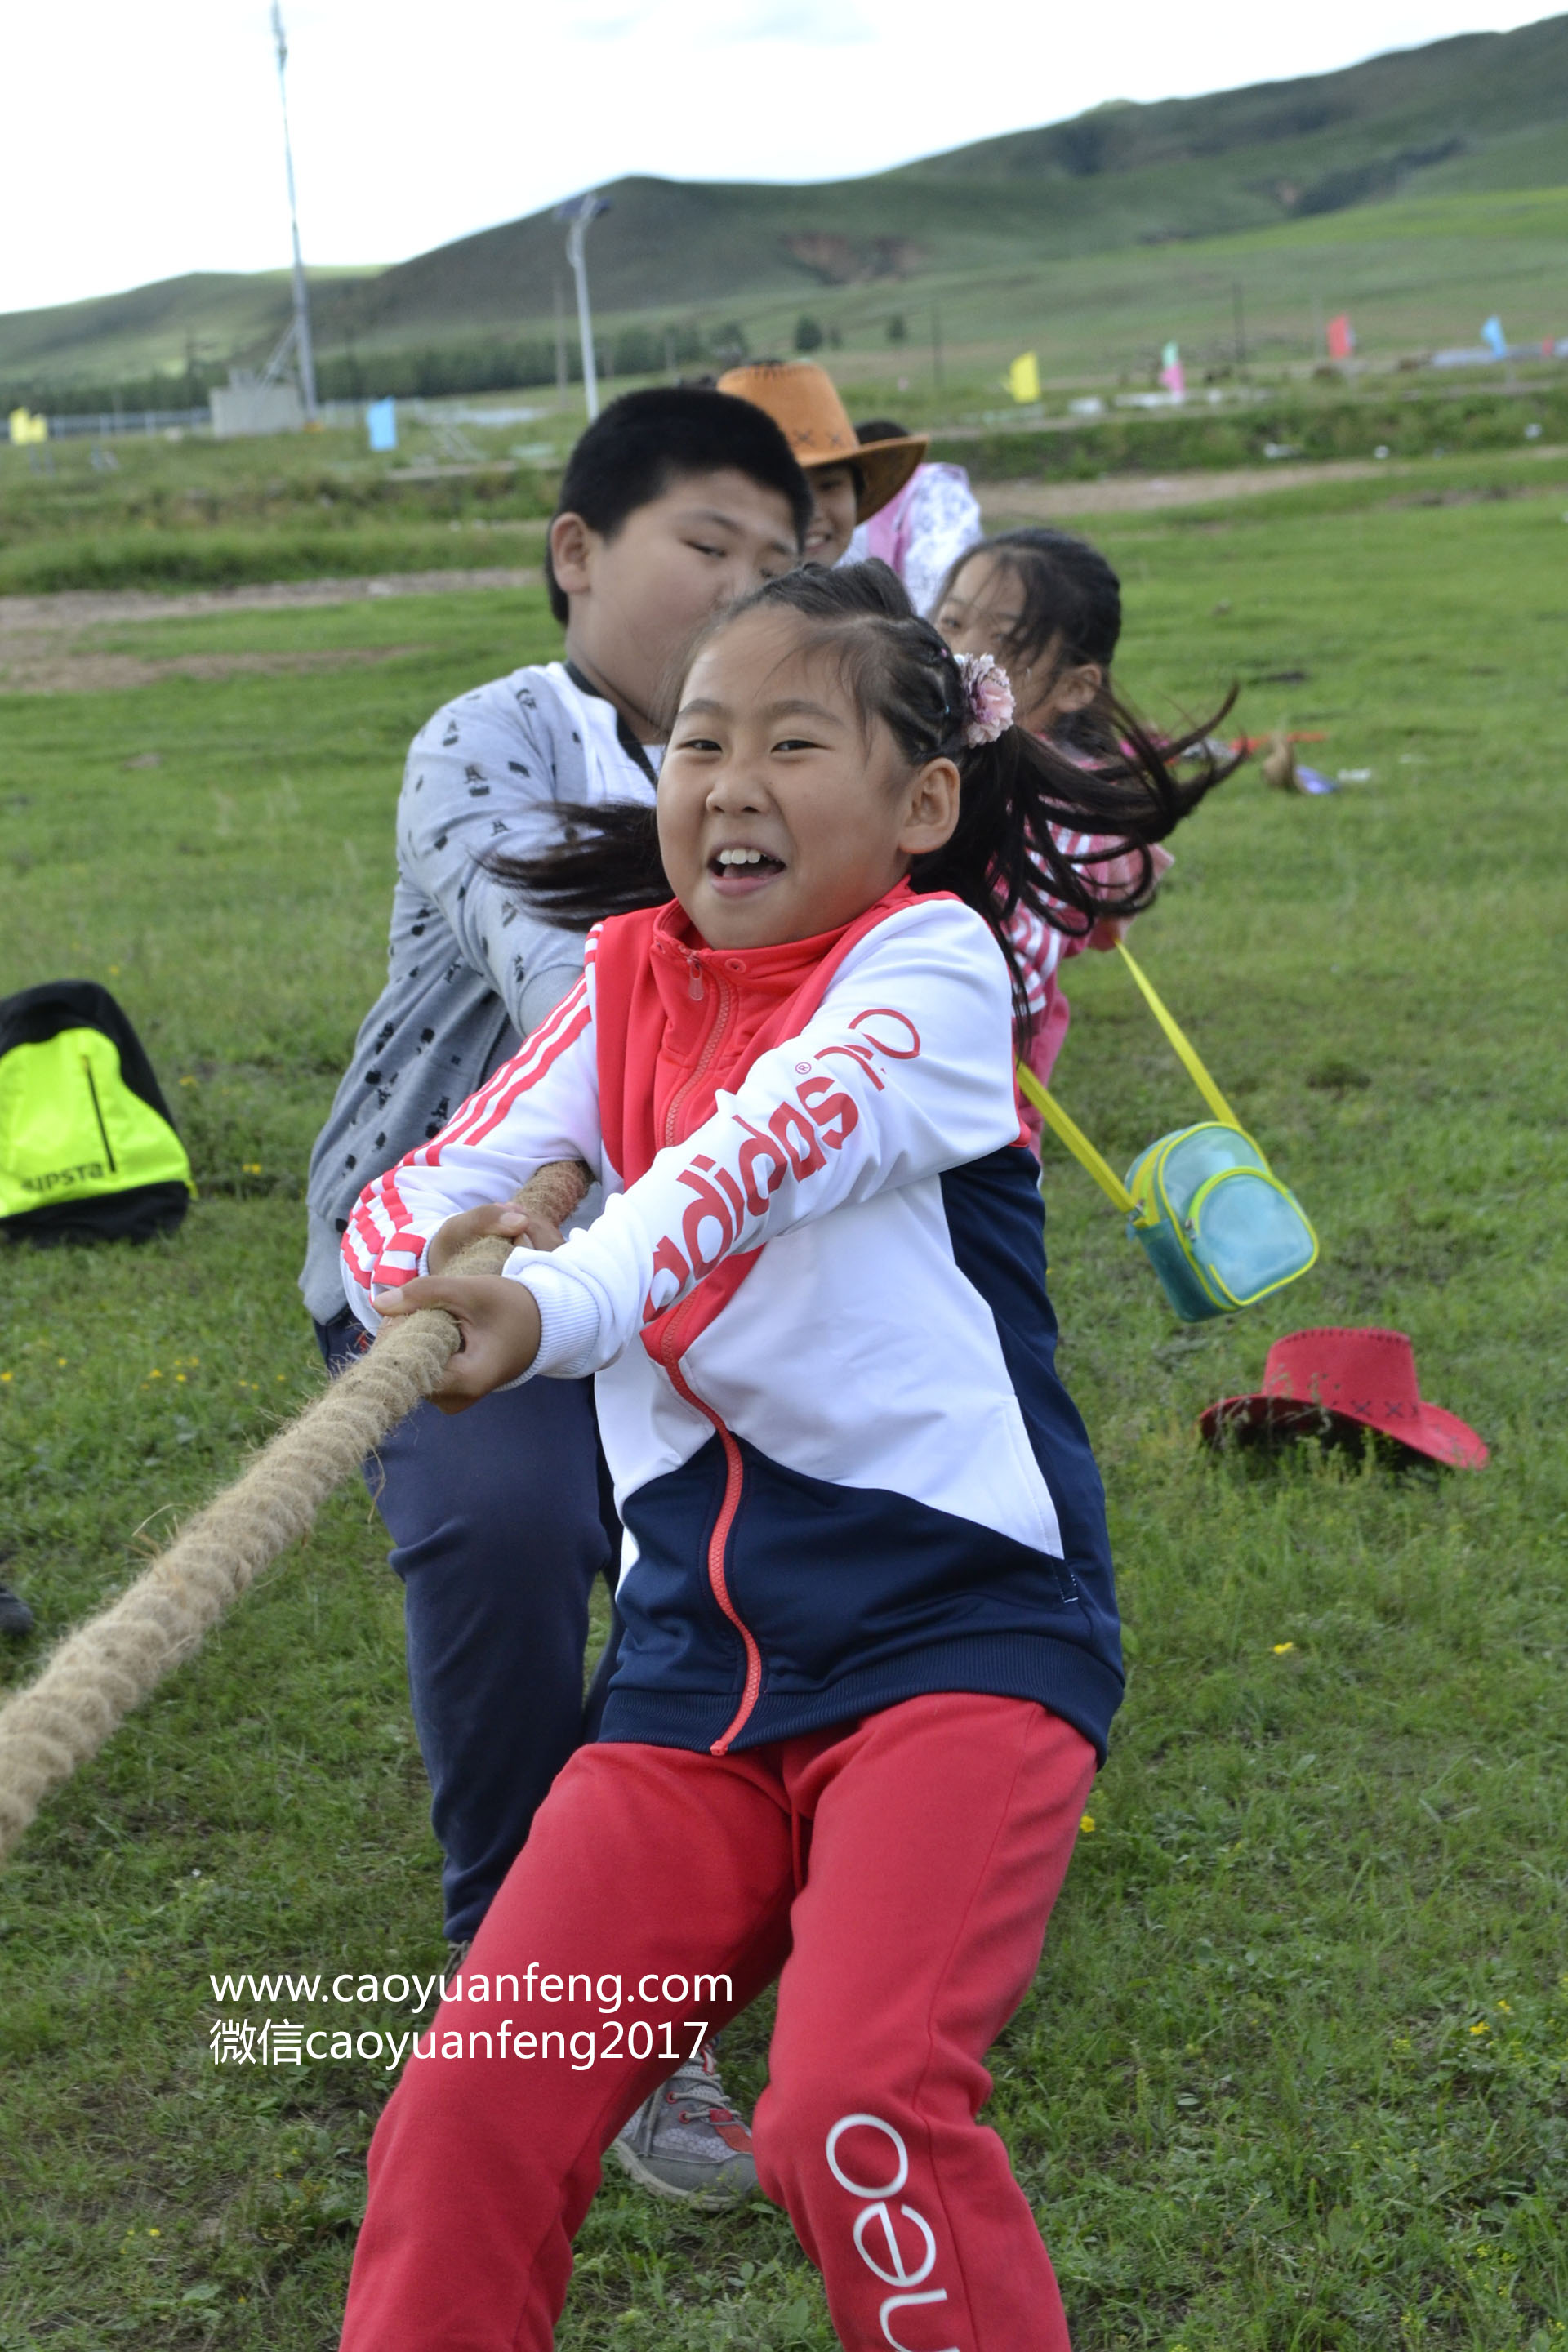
(110, 1664)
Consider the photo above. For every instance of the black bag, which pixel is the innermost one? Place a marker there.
(88, 1151)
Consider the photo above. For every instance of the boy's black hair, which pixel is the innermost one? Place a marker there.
(646, 441)
(880, 428)
(1003, 854)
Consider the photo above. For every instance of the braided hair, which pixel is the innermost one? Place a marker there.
(1002, 853)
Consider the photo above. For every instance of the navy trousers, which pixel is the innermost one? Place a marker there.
(500, 1519)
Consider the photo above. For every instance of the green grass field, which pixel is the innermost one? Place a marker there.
(203, 514)
(1294, 2073)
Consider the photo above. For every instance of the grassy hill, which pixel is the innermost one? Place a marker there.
(1315, 190)
(173, 327)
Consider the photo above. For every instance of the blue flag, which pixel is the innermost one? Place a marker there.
(1494, 339)
(381, 423)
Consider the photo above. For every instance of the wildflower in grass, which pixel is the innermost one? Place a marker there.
(1281, 1648)
(250, 1167)
(154, 1374)
(188, 1082)
(1087, 1825)
(5, 1376)
(1482, 2027)
(1505, 2008)
(62, 1361)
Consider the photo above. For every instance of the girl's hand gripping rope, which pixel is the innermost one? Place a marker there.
(513, 1222)
(498, 1322)
(498, 1330)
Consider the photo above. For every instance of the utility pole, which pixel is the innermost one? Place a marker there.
(1239, 316)
(560, 348)
(301, 299)
(577, 215)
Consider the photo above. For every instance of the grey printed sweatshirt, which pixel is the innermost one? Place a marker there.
(470, 969)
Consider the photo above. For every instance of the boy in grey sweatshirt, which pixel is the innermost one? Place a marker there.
(673, 504)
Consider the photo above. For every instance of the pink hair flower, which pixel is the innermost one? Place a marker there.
(987, 697)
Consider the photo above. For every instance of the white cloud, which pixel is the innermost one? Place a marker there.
(802, 23)
(160, 152)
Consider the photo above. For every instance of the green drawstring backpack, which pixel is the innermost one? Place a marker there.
(1220, 1229)
(88, 1151)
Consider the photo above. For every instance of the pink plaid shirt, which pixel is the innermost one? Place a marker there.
(1041, 951)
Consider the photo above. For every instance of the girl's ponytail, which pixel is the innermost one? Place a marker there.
(1024, 799)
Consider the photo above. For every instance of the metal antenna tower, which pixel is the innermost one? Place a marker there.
(300, 333)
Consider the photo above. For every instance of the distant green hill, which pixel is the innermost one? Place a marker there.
(180, 323)
(1285, 190)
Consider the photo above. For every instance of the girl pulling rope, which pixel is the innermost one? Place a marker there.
(870, 1655)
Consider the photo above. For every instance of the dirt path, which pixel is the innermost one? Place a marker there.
(1146, 494)
(1143, 494)
(41, 648)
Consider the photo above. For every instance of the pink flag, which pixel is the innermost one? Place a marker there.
(1341, 338)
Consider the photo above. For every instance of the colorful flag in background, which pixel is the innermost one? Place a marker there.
(1023, 377)
(26, 428)
(1341, 337)
(1171, 375)
(1494, 339)
(381, 423)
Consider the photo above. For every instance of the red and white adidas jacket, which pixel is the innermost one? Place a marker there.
(818, 1275)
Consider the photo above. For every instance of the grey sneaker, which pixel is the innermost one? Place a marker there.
(686, 2141)
(15, 1617)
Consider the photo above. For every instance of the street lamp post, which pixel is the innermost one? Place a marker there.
(577, 215)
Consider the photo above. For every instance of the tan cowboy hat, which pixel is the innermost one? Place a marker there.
(803, 403)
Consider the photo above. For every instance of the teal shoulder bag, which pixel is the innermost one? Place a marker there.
(1219, 1228)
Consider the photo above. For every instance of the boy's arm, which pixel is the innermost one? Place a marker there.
(906, 1070)
(481, 778)
(542, 1105)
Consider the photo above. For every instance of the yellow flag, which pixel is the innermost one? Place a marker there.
(25, 427)
(1023, 377)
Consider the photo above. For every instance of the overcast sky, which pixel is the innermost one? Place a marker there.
(143, 140)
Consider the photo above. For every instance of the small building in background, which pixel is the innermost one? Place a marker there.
(248, 405)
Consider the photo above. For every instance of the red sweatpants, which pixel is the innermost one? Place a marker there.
(900, 1871)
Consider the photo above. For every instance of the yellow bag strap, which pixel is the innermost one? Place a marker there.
(1184, 1052)
(1069, 1132)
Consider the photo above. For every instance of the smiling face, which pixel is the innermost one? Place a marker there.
(637, 596)
(780, 814)
(832, 524)
(982, 613)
